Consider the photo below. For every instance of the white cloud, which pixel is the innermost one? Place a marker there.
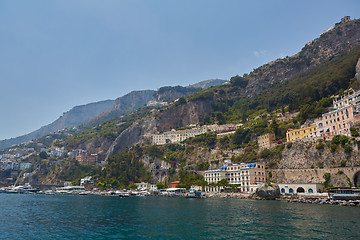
(262, 53)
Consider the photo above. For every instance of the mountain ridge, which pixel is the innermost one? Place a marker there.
(69, 119)
(93, 113)
(342, 39)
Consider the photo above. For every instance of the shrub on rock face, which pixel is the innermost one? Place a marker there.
(343, 163)
(333, 148)
(347, 149)
(320, 146)
(354, 132)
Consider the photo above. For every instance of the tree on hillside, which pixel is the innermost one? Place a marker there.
(238, 81)
(241, 136)
(43, 155)
(274, 126)
(160, 185)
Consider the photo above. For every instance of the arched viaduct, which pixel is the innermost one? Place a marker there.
(314, 175)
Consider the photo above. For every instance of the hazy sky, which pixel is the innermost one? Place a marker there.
(58, 54)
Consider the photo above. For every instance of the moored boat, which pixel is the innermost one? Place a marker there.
(191, 193)
(344, 193)
(27, 188)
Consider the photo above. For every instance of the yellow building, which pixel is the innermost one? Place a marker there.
(266, 140)
(302, 133)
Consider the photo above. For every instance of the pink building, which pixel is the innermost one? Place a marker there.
(338, 121)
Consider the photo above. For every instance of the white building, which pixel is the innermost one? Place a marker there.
(246, 175)
(295, 188)
(142, 186)
(174, 136)
(24, 166)
(85, 180)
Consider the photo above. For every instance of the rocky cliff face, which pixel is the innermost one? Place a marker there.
(305, 155)
(357, 75)
(169, 94)
(178, 115)
(307, 161)
(342, 38)
(133, 100)
(137, 99)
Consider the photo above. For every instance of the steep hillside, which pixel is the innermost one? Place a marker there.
(178, 115)
(74, 117)
(342, 38)
(137, 99)
(330, 58)
(264, 101)
(210, 108)
(122, 105)
(133, 100)
(92, 114)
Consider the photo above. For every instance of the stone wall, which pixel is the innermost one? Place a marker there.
(337, 175)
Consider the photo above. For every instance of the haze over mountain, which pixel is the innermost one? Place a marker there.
(284, 77)
(274, 98)
(77, 115)
(100, 111)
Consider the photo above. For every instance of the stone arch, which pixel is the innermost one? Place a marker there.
(356, 179)
(291, 190)
(310, 190)
(300, 190)
(283, 190)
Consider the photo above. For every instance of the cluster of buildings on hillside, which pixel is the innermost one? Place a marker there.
(84, 157)
(177, 136)
(344, 115)
(14, 159)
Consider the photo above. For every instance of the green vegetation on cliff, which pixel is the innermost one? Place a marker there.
(308, 92)
(124, 168)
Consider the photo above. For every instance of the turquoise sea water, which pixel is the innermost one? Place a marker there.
(26, 216)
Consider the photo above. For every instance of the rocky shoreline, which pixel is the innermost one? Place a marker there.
(353, 203)
(228, 195)
(328, 201)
